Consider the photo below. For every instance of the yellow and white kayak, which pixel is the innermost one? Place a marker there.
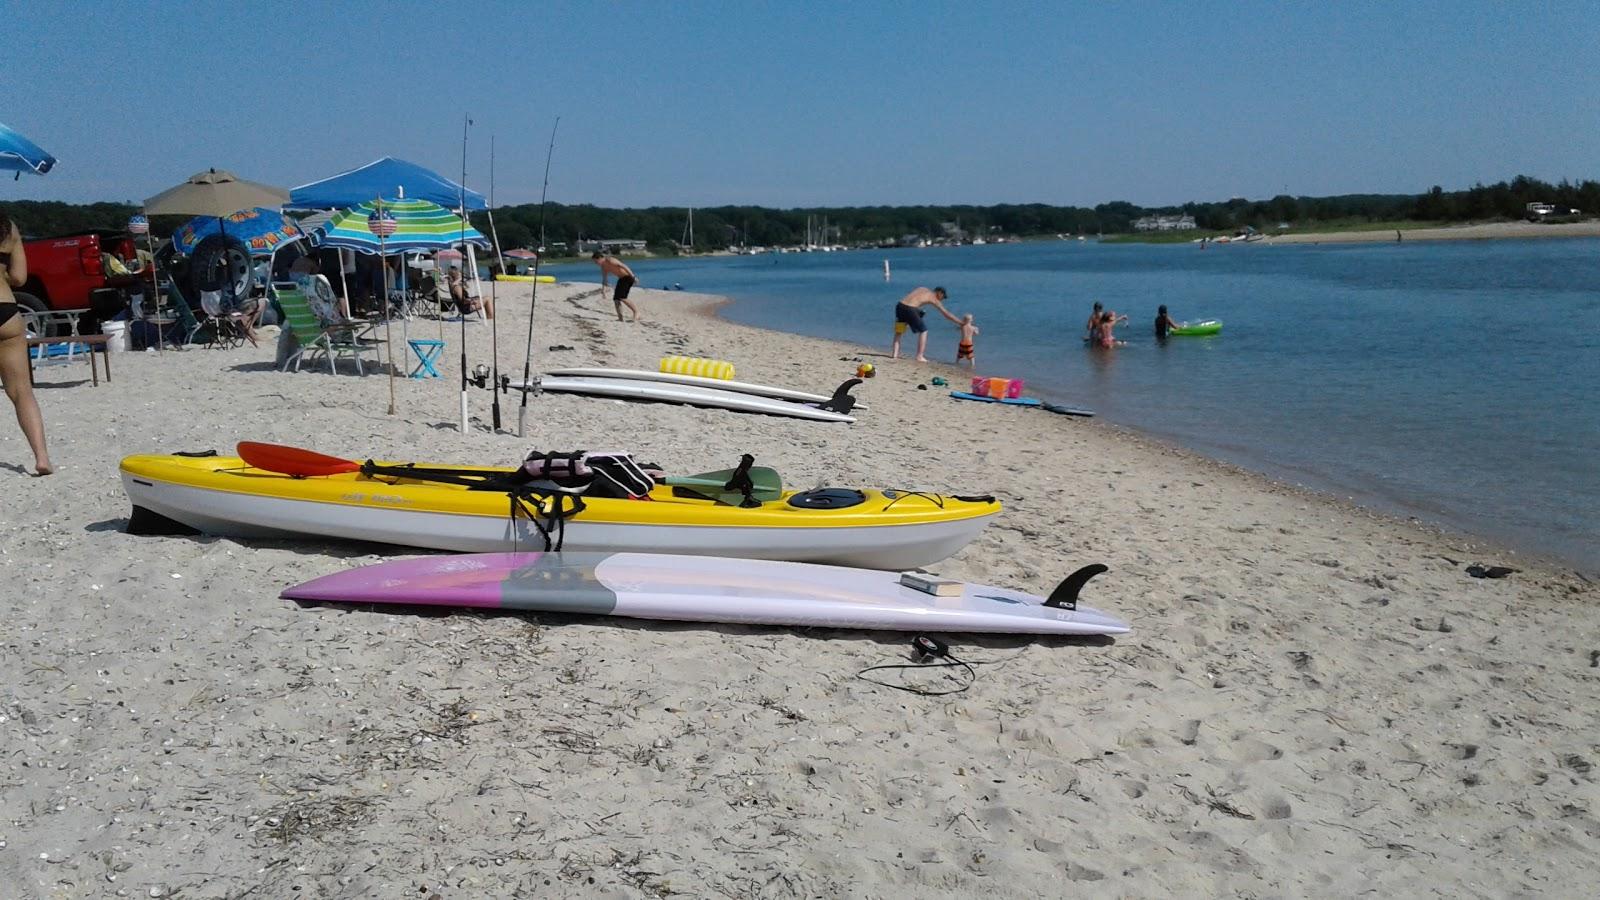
(882, 529)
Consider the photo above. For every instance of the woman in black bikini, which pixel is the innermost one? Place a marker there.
(14, 372)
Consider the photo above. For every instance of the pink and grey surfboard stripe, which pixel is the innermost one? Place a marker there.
(694, 588)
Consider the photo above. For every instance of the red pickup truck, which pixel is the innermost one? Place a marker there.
(63, 272)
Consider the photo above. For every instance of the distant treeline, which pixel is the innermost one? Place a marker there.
(720, 227)
(724, 226)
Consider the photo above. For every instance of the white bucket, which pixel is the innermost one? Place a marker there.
(116, 333)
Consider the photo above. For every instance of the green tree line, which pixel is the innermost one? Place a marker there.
(731, 226)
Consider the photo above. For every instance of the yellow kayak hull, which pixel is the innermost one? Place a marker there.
(223, 496)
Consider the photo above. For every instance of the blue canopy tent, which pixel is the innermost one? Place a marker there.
(390, 179)
(387, 177)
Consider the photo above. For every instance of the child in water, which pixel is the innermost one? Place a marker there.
(964, 348)
(1106, 338)
(1164, 323)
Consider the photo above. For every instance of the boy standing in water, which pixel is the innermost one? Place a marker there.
(964, 348)
(1164, 323)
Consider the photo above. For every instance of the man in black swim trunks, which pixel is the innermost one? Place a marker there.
(909, 313)
(610, 265)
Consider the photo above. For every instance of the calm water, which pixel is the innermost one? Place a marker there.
(1453, 381)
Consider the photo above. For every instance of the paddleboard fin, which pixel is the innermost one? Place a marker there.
(841, 402)
(1065, 596)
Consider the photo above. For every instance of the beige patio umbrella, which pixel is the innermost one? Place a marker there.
(214, 192)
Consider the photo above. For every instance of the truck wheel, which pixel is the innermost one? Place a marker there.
(34, 304)
(216, 260)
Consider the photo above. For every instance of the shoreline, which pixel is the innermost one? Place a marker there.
(1374, 505)
(1490, 231)
(1315, 699)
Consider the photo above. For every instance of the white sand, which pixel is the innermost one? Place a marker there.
(1315, 700)
(1482, 231)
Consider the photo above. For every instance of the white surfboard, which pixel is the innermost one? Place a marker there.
(709, 589)
(634, 389)
(739, 387)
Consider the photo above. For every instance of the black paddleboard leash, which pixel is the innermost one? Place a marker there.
(928, 652)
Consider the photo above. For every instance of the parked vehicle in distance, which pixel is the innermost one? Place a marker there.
(1539, 212)
(65, 271)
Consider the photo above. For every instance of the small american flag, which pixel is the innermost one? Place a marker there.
(381, 223)
(138, 225)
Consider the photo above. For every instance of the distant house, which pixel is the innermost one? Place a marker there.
(1164, 223)
(611, 245)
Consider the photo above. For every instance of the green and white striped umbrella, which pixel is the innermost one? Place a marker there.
(418, 225)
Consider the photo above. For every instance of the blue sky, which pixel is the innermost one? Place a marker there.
(798, 104)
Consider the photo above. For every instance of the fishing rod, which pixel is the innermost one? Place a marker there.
(494, 297)
(538, 260)
(466, 122)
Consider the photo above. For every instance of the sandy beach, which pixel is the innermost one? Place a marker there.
(1475, 232)
(1315, 699)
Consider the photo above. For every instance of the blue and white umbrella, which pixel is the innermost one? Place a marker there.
(18, 154)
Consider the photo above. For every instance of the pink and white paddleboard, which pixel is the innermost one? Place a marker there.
(709, 589)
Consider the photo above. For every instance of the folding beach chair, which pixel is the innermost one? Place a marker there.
(187, 325)
(228, 329)
(334, 340)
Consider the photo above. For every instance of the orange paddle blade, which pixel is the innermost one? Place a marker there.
(293, 460)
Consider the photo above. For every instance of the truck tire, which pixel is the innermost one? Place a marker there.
(34, 304)
(207, 268)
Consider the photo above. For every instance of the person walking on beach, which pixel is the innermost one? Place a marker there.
(609, 266)
(910, 312)
(14, 371)
(969, 331)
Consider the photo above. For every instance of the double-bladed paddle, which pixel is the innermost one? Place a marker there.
(298, 463)
(293, 461)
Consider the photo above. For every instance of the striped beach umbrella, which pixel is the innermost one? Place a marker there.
(417, 225)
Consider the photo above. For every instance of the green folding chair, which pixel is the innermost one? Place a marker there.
(313, 336)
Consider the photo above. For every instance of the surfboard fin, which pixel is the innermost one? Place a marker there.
(1065, 596)
(841, 402)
